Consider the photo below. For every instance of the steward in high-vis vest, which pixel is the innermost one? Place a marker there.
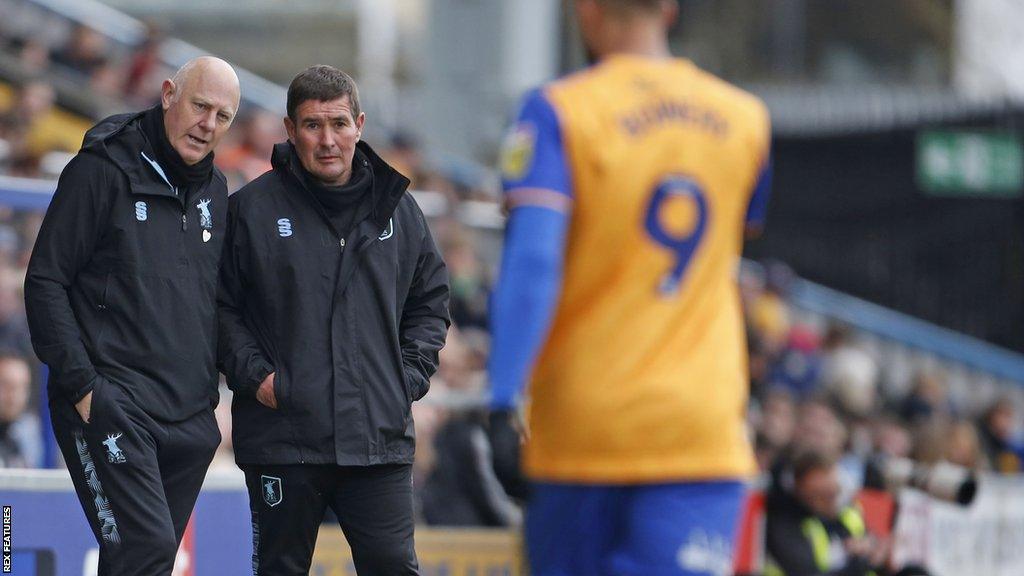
(808, 533)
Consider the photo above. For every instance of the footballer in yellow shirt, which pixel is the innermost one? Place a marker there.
(630, 185)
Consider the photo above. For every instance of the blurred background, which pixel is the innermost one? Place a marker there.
(884, 303)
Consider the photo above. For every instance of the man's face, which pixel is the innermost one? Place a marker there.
(325, 134)
(819, 490)
(198, 114)
(15, 379)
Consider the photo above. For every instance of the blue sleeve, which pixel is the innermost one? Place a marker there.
(524, 299)
(757, 210)
(535, 177)
(533, 155)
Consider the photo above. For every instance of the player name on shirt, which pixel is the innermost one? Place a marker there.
(654, 114)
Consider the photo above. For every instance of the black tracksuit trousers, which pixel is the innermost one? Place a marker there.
(373, 505)
(137, 478)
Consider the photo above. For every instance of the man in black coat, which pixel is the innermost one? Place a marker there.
(333, 308)
(121, 301)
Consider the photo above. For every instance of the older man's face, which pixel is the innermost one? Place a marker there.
(198, 113)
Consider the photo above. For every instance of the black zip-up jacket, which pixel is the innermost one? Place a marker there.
(122, 283)
(351, 327)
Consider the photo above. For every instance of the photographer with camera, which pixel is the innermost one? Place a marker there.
(809, 532)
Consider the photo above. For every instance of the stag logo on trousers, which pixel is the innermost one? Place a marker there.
(273, 493)
(284, 227)
(114, 454)
(141, 211)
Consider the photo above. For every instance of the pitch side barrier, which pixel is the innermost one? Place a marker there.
(49, 535)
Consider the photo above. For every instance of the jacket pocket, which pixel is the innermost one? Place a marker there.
(94, 404)
(281, 388)
(102, 310)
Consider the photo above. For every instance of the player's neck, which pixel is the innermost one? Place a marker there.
(638, 41)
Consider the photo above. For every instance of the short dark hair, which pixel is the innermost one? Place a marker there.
(322, 83)
(634, 5)
(808, 461)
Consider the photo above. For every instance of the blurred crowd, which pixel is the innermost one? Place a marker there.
(51, 84)
(821, 399)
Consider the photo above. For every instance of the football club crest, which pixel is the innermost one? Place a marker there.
(114, 454)
(517, 151)
(205, 218)
(272, 491)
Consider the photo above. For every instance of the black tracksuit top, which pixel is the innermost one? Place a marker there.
(122, 282)
(352, 329)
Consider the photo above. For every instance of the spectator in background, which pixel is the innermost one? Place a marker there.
(767, 311)
(890, 439)
(403, 152)
(142, 68)
(21, 443)
(31, 53)
(963, 446)
(469, 282)
(928, 399)
(819, 429)
(463, 488)
(999, 428)
(86, 55)
(14, 335)
(809, 531)
(798, 366)
(775, 424)
(249, 156)
(85, 52)
(31, 103)
(775, 428)
(849, 373)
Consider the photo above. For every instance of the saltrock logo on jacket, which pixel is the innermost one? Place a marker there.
(114, 454)
(272, 491)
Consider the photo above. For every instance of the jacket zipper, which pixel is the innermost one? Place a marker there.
(184, 204)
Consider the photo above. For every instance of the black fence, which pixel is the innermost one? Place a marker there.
(847, 212)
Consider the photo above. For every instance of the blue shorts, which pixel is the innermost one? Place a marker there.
(684, 529)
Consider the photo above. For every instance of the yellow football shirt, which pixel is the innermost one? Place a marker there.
(643, 375)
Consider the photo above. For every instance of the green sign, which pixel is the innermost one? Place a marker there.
(974, 164)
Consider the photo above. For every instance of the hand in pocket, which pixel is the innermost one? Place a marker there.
(265, 393)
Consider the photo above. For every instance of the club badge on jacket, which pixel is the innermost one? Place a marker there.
(205, 218)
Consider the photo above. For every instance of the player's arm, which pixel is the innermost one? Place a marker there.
(538, 197)
(239, 355)
(73, 226)
(757, 209)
